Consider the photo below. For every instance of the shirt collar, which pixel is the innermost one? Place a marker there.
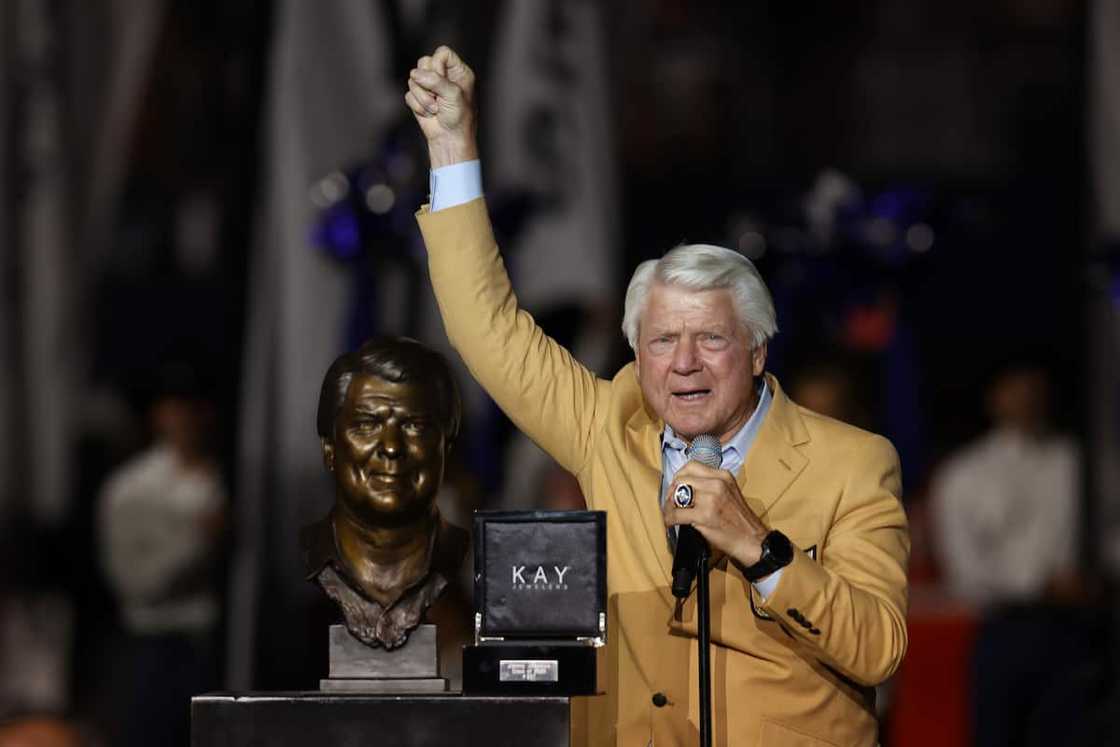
(449, 546)
(737, 447)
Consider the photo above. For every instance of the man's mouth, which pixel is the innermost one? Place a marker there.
(690, 395)
(381, 477)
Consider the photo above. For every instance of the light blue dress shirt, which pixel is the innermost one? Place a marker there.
(455, 184)
(674, 455)
(462, 182)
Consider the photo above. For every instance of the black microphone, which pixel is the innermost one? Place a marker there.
(691, 545)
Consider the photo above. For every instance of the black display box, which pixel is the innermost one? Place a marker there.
(540, 575)
(540, 600)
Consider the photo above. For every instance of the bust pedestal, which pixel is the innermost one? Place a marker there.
(356, 667)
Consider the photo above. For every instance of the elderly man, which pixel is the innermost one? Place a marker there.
(809, 536)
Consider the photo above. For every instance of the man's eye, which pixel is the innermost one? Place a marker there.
(712, 340)
(415, 426)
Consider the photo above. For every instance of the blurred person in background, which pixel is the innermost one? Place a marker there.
(1006, 506)
(1005, 519)
(161, 519)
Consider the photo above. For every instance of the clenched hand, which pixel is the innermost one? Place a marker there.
(441, 96)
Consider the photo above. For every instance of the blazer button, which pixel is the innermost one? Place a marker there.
(660, 700)
(792, 612)
(815, 631)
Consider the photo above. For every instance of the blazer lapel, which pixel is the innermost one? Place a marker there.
(774, 462)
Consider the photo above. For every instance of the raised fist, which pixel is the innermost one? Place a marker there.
(441, 96)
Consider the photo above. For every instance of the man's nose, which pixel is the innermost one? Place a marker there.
(390, 445)
(685, 360)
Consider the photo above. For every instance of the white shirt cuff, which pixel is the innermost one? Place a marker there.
(766, 586)
(455, 184)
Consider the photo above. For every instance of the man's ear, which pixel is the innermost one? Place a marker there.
(328, 453)
(758, 359)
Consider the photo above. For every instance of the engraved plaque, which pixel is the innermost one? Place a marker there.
(529, 670)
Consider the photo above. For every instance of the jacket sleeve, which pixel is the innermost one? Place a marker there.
(851, 606)
(548, 395)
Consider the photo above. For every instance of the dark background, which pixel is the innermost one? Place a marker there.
(969, 118)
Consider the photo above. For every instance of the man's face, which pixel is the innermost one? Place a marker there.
(388, 451)
(1019, 399)
(695, 361)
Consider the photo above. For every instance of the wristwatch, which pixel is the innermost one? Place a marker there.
(777, 552)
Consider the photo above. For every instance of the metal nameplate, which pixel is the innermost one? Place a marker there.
(529, 670)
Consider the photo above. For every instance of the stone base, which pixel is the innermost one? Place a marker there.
(358, 668)
(381, 687)
(417, 658)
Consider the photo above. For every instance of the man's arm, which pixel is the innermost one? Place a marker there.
(852, 605)
(543, 389)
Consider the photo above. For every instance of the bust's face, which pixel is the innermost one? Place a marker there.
(388, 451)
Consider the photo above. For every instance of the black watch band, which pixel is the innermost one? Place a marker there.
(777, 552)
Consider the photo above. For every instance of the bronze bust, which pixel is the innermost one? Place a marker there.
(388, 414)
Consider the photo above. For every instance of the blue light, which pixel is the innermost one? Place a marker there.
(337, 232)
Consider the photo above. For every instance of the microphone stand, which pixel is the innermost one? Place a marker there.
(704, 631)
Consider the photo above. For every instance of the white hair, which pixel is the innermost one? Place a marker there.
(703, 267)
